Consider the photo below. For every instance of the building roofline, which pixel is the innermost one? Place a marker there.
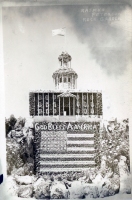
(62, 91)
(67, 94)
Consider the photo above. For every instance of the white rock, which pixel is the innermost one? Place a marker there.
(98, 180)
(58, 191)
(125, 185)
(41, 188)
(38, 182)
(25, 191)
(104, 192)
(26, 180)
(29, 123)
(90, 191)
(76, 190)
(110, 187)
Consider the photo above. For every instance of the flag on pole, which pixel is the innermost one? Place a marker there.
(60, 32)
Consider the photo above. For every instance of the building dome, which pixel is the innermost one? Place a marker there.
(65, 72)
(65, 77)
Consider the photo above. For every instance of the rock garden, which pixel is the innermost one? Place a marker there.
(110, 176)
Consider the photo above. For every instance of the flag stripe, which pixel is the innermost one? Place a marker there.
(80, 149)
(59, 169)
(80, 142)
(66, 162)
(65, 166)
(80, 135)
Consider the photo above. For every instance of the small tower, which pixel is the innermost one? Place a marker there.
(65, 77)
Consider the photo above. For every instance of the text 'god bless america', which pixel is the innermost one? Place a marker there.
(65, 126)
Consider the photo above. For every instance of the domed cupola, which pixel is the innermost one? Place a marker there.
(65, 77)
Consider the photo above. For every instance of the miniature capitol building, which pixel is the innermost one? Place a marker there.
(66, 100)
(63, 141)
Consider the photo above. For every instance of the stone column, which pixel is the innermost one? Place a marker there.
(73, 106)
(63, 105)
(62, 81)
(67, 82)
(72, 81)
(38, 104)
(53, 103)
(92, 105)
(76, 83)
(69, 107)
(57, 82)
(59, 106)
(77, 102)
(87, 105)
(82, 104)
(48, 104)
(43, 104)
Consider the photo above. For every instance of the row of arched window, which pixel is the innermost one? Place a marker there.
(65, 79)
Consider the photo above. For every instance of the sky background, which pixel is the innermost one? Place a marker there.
(100, 47)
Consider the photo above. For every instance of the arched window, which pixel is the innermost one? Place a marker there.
(69, 79)
(60, 80)
(64, 79)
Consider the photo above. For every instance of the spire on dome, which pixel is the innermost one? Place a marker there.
(65, 59)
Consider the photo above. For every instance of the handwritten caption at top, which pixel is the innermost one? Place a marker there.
(96, 14)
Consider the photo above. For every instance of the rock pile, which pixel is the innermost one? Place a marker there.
(57, 187)
(20, 155)
(111, 176)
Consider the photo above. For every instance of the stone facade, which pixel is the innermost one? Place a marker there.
(66, 121)
(71, 103)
